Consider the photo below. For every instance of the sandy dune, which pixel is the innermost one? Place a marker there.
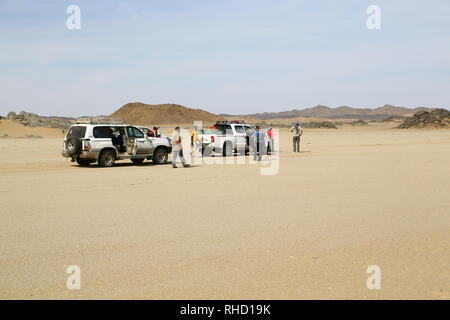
(14, 129)
(354, 197)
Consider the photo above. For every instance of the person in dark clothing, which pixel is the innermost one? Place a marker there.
(157, 134)
(117, 138)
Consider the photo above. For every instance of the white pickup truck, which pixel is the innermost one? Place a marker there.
(228, 137)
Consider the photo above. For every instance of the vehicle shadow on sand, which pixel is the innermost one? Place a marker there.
(145, 164)
(123, 164)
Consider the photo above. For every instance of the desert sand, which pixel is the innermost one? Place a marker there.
(15, 130)
(354, 197)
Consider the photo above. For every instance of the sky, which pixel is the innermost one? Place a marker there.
(223, 56)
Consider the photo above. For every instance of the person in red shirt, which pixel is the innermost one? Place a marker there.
(269, 133)
(150, 133)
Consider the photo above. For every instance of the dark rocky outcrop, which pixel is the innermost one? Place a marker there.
(438, 118)
(11, 115)
(318, 125)
(392, 119)
(359, 123)
(33, 120)
(351, 123)
(309, 125)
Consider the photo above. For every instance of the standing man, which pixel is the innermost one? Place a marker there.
(258, 144)
(177, 148)
(297, 131)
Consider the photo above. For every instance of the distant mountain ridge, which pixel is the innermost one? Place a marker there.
(145, 114)
(343, 112)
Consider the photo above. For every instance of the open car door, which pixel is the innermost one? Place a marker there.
(138, 143)
(132, 143)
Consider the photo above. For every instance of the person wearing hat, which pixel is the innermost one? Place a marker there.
(177, 148)
(297, 131)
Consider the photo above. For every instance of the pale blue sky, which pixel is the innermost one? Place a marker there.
(224, 56)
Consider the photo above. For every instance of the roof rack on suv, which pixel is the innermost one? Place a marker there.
(100, 121)
(230, 121)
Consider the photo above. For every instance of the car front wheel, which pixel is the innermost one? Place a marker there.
(160, 156)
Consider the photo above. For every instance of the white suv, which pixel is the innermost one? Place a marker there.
(106, 143)
(228, 137)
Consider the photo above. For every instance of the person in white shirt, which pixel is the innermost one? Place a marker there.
(177, 148)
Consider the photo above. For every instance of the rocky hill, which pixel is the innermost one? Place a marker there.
(304, 124)
(343, 112)
(146, 114)
(33, 120)
(439, 118)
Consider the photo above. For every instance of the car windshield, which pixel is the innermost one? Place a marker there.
(211, 131)
(224, 128)
(76, 131)
(249, 131)
(133, 132)
(239, 129)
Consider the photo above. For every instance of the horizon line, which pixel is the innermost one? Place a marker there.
(229, 114)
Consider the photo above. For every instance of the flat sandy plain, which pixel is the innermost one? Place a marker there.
(354, 197)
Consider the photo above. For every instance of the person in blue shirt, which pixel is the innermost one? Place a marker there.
(258, 143)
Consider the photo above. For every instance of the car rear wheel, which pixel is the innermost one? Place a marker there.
(83, 162)
(138, 160)
(107, 158)
(207, 151)
(160, 156)
(227, 149)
